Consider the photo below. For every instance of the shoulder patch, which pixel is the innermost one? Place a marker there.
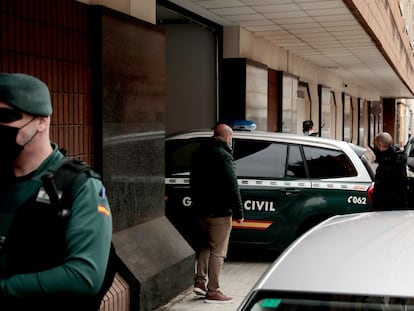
(103, 210)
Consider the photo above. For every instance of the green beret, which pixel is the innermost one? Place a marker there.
(25, 93)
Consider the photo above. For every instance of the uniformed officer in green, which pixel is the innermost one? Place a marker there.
(41, 268)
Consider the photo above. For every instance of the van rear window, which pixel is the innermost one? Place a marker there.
(328, 163)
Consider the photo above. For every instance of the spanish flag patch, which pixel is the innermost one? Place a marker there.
(103, 210)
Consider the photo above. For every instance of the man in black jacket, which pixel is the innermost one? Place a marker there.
(216, 199)
(390, 189)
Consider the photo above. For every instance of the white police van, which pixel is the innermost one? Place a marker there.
(288, 183)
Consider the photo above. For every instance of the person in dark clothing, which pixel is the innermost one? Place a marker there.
(391, 185)
(48, 261)
(308, 128)
(216, 199)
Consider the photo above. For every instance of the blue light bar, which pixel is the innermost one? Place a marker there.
(241, 125)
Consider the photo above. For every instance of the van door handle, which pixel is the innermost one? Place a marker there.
(289, 191)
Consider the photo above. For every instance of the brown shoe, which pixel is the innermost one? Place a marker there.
(200, 289)
(218, 297)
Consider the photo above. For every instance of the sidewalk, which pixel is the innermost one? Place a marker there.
(237, 278)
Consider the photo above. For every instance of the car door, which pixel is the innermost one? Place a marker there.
(336, 188)
(272, 180)
(178, 153)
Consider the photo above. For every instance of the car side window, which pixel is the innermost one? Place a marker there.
(296, 165)
(328, 163)
(178, 156)
(411, 154)
(259, 159)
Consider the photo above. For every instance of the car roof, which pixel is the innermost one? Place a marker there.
(263, 135)
(363, 253)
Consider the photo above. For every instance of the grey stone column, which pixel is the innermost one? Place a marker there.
(157, 262)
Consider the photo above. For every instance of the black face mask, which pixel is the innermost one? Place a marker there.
(11, 148)
(10, 151)
(8, 135)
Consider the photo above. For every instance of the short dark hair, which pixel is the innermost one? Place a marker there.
(307, 125)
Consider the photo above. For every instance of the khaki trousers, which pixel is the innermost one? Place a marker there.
(214, 246)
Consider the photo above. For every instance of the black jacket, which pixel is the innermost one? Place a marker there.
(213, 181)
(390, 189)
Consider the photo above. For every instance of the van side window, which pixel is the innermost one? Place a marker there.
(259, 159)
(328, 163)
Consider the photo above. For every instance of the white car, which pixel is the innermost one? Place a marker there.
(362, 261)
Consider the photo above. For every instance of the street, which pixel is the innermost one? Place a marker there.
(237, 278)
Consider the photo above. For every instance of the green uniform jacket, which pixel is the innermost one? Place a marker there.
(87, 241)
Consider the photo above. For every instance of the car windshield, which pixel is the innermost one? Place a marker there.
(272, 301)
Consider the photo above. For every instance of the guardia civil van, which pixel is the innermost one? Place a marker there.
(288, 183)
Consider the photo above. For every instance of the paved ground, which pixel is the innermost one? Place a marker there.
(236, 279)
